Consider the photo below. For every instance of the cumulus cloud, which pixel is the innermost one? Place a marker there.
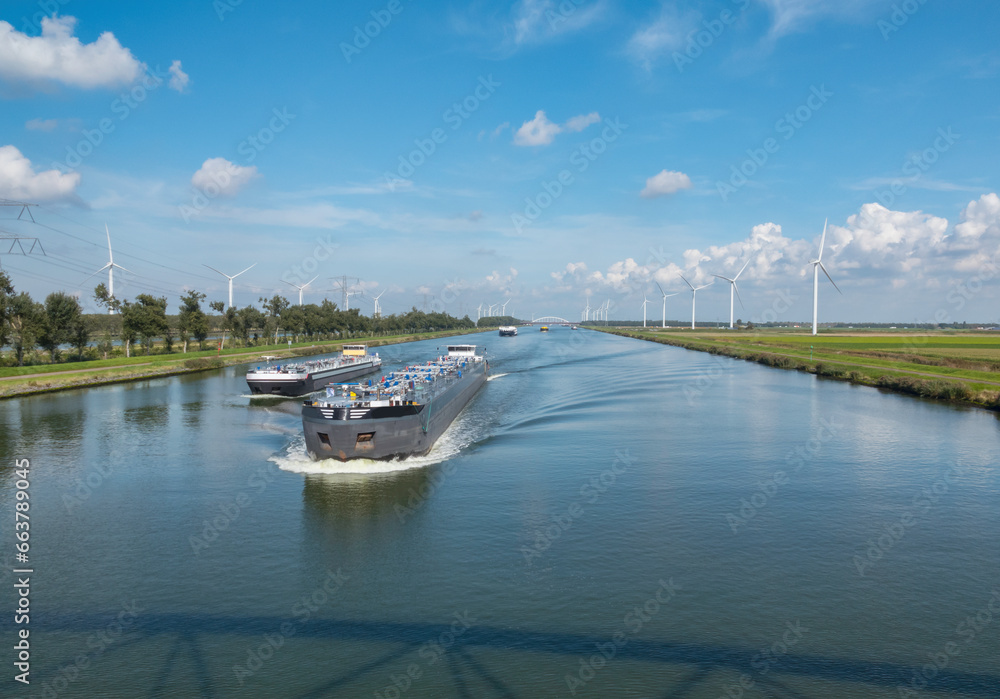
(59, 57)
(572, 269)
(218, 176)
(179, 80)
(537, 132)
(665, 182)
(541, 132)
(18, 179)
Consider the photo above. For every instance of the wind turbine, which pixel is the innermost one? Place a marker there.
(732, 288)
(665, 297)
(817, 266)
(587, 310)
(644, 302)
(694, 292)
(300, 288)
(111, 268)
(503, 307)
(378, 306)
(231, 278)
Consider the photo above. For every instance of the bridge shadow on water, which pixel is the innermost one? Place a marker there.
(695, 664)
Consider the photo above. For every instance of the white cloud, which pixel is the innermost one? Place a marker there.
(579, 123)
(218, 176)
(58, 56)
(541, 132)
(41, 124)
(537, 132)
(665, 182)
(18, 179)
(664, 34)
(179, 80)
(790, 16)
(537, 21)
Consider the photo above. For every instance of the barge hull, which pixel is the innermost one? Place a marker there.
(387, 438)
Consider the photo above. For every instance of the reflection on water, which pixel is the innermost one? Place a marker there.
(518, 523)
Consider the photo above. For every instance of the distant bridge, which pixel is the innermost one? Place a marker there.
(550, 319)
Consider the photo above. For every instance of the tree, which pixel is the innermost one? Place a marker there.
(192, 322)
(146, 318)
(228, 317)
(103, 298)
(27, 321)
(247, 319)
(275, 307)
(6, 298)
(79, 334)
(61, 314)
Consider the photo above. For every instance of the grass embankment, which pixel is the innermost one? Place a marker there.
(20, 381)
(954, 366)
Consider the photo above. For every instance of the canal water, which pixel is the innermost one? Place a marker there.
(607, 518)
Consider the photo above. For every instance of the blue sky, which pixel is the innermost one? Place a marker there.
(453, 154)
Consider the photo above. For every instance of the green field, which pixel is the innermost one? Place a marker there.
(959, 366)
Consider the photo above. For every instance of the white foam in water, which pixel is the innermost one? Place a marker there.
(296, 459)
(495, 376)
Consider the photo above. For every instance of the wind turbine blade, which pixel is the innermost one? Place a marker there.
(216, 271)
(822, 242)
(741, 269)
(308, 282)
(731, 281)
(247, 269)
(293, 285)
(97, 272)
(687, 282)
(737, 290)
(110, 256)
(112, 264)
(829, 277)
(659, 287)
(666, 296)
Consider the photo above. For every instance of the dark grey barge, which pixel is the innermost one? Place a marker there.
(400, 415)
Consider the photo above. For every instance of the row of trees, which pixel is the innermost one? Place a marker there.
(26, 324)
(143, 321)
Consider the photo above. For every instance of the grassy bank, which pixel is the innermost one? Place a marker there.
(20, 381)
(950, 366)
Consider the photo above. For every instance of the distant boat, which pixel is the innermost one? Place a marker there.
(544, 328)
(508, 331)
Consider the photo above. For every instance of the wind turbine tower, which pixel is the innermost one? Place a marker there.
(694, 293)
(231, 278)
(817, 266)
(300, 288)
(111, 269)
(378, 306)
(644, 302)
(732, 289)
(663, 322)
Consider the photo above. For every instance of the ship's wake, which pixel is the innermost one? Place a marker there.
(458, 436)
